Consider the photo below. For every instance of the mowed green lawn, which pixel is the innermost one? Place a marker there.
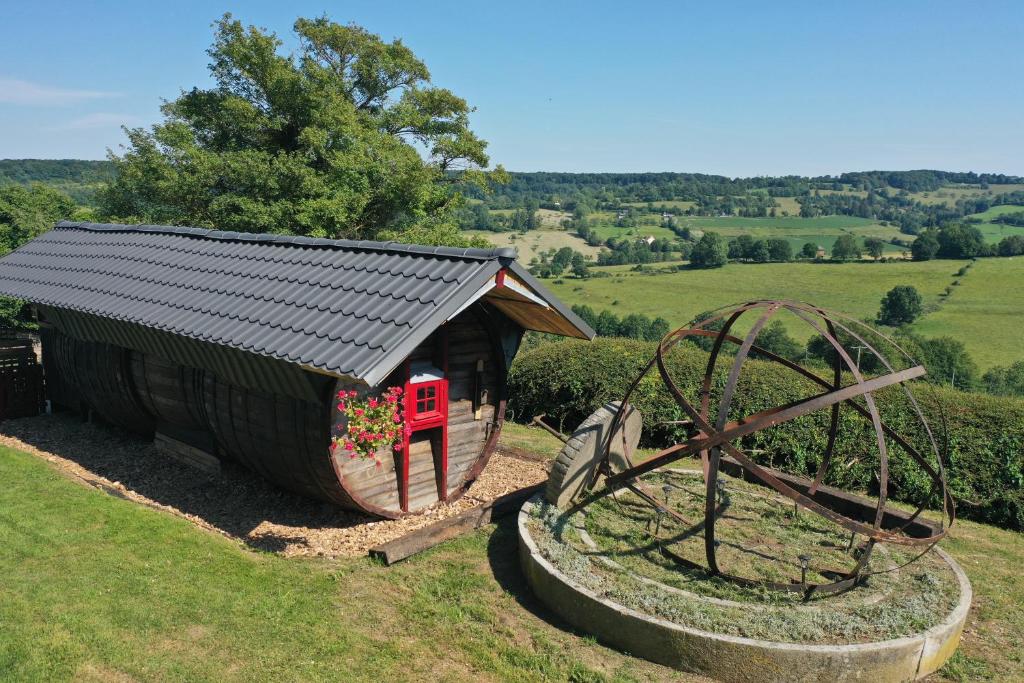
(96, 588)
(852, 288)
(985, 312)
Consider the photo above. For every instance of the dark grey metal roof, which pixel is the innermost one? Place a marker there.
(352, 308)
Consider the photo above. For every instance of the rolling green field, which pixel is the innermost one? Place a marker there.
(854, 288)
(797, 231)
(949, 194)
(994, 232)
(606, 231)
(985, 312)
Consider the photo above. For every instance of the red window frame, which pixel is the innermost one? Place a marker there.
(421, 395)
(417, 420)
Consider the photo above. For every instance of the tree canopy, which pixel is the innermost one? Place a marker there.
(846, 247)
(25, 213)
(344, 138)
(901, 305)
(710, 251)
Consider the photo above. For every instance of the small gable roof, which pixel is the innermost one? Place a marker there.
(346, 308)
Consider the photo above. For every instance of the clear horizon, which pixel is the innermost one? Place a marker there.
(746, 91)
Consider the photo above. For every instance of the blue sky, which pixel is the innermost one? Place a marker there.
(740, 89)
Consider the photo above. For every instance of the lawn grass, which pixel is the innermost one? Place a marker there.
(852, 288)
(985, 312)
(99, 588)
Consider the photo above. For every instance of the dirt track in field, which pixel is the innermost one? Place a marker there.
(235, 503)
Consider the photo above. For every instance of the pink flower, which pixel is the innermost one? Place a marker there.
(396, 419)
(359, 412)
(372, 403)
(349, 446)
(342, 407)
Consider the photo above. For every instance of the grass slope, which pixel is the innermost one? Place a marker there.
(994, 232)
(853, 288)
(985, 312)
(98, 588)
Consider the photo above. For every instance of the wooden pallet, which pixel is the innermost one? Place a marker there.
(186, 453)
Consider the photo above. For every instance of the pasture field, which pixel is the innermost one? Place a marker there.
(994, 232)
(668, 204)
(855, 289)
(654, 230)
(97, 588)
(788, 204)
(823, 231)
(949, 194)
(985, 311)
(531, 243)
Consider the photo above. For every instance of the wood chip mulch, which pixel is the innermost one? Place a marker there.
(237, 503)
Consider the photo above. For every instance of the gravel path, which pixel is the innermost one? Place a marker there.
(236, 503)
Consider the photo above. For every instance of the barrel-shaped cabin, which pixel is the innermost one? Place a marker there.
(368, 374)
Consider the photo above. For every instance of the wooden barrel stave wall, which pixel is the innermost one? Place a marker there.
(171, 393)
(284, 439)
(100, 375)
(376, 488)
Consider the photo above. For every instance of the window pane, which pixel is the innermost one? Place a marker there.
(431, 391)
(421, 393)
(431, 406)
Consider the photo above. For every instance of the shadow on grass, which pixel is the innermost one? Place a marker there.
(503, 556)
(235, 502)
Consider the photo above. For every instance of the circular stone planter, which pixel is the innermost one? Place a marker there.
(733, 658)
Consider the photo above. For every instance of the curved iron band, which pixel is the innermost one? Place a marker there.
(832, 318)
(761, 420)
(936, 477)
(711, 466)
(948, 506)
(876, 421)
(673, 338)
(710, 505)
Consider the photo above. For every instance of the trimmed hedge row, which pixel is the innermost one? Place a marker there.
(984, 434)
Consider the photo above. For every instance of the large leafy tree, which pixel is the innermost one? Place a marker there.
(346, 137)
(709, 252)
(901, 305)
(26, 212)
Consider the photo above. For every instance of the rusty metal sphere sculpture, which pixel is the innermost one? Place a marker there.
(718, 439)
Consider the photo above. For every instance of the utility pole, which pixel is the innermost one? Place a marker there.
(859, 349)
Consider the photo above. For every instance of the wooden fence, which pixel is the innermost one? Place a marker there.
(21, 378)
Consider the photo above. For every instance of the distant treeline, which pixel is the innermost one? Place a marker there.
(568, 189)
(77, 178)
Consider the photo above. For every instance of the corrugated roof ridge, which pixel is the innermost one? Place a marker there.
(345, 245)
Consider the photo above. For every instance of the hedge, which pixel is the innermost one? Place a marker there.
(983, 436)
